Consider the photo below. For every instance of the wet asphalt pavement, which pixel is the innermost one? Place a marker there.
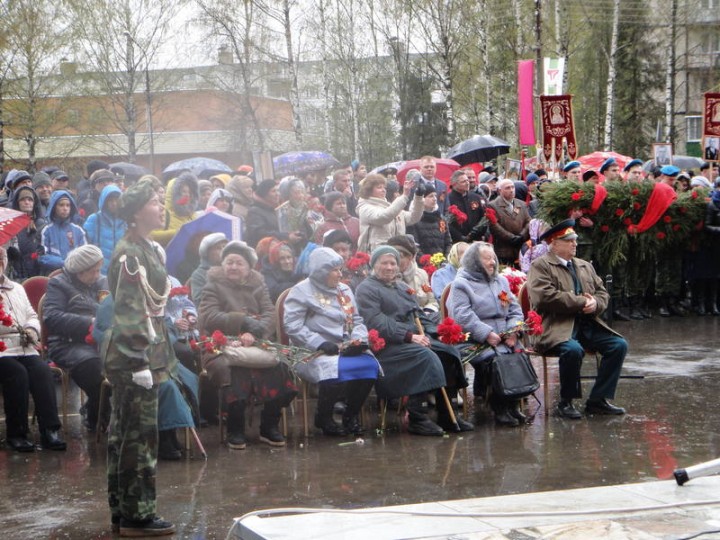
(673, 419)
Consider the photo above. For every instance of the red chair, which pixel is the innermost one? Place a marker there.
(35, 288)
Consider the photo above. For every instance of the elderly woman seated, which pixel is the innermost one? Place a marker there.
(237, 304)
(69, 314)
(415, 277)
(321, 315)
(413, 363)
(23, 372)
(481, 302)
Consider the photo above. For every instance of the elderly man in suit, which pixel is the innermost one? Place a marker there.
(511, 229)
(571, 297)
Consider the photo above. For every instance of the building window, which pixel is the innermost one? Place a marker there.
(710, 42)
(694, 128)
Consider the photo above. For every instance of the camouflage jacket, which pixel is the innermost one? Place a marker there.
(138, 337)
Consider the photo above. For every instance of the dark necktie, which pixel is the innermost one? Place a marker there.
(576, 281)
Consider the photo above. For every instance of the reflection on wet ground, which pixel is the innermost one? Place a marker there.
(672, 421)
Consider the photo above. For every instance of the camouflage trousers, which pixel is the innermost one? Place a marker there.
(132, 448)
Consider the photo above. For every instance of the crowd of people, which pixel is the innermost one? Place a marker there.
(362, 265)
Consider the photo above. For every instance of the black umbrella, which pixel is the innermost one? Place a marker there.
(478, 149)
(681, 162)
(128, 170)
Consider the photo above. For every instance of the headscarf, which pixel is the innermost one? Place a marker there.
(471, 263)
(322, 261)
(454, 255)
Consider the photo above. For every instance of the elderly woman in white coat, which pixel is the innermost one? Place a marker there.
(380, 219)
(481, 302)
(321, 315)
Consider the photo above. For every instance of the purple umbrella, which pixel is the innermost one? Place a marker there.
(182, 251)
(302, 162)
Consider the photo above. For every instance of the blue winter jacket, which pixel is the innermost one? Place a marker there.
(60, 237)
(103, 229)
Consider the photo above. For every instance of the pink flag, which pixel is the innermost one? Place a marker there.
(526, 115)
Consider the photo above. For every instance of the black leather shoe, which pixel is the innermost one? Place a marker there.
(352, 425)
(333, 429)
(150, 527)
(619, 315)
(504, 418)
(425, 427)
(567, 410)
(602, 407)
(20, 444)
(50, 440)
(516, 413)
(462, 425)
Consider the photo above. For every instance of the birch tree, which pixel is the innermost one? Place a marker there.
(610, 91)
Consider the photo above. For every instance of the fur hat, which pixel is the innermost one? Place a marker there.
(239, 247)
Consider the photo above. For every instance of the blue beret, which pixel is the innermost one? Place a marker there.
(670, 170)
(609, 162)
(632, 164)
(570, 166)
(532, 177)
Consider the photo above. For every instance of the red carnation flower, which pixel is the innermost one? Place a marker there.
(491, 215)
(450, 332)
(7, 320)
(676, 227)
(635, 192)
(694, 194)
(660, 236)
(218, 338)
(682, 209)
(209, 347)
(534, 322)
(605, 228)
(619, 212)
(89, 339)
(34, 256)
(375, 341)
(459, 215)
(576, 196)
(627, 221)
(424, 260)
(3, 347)
(667, 219)
(636, 206)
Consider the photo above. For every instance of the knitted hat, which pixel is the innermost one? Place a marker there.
(240, 248)
(41, 179)
(134, 198)
(403, 243)
(83, 258)
(383, 250)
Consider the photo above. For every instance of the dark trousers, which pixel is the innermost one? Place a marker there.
(88, 376)
(21, 376)
(592, 336)
(132, 449)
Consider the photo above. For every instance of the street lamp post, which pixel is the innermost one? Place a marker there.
(148, 101)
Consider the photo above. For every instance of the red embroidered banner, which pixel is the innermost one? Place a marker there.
(557, 125)
(711, 114)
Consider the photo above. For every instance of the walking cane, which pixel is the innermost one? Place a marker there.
(446, 399)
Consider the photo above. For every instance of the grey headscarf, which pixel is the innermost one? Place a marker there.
(322, 261)
(471, 260)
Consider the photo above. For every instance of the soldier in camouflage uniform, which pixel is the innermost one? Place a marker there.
(136, 355)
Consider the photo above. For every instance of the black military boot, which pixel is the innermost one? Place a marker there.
(236, 425)
(635, 313)
(328, 394)
(443, 415)
(420, 423)
(269, 420)
(356, 393)
(503, 416)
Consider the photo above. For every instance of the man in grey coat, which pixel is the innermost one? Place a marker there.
(570, 297)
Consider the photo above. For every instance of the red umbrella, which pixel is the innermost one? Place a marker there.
(445, 168)
(594, 160)
(11, 223)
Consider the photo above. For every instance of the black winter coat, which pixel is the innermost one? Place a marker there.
(432, 234)
(68, 312)
(261, 222)
(473, 206)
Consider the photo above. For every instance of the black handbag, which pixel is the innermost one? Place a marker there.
(513, 376)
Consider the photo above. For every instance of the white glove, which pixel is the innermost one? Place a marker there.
(143, 378)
